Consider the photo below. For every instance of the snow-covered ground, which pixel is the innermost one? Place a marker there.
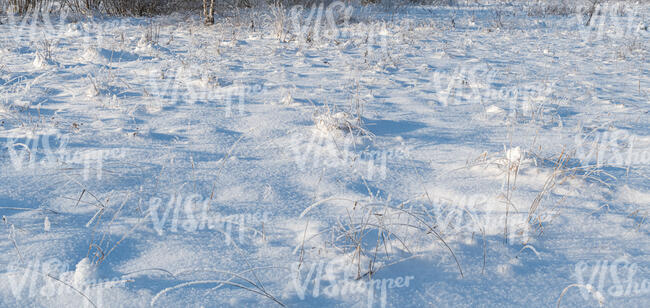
(469, 155)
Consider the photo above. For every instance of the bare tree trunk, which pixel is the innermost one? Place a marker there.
(208, 13)
(211, 11)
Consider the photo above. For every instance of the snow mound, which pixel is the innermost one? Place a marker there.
(85, 273)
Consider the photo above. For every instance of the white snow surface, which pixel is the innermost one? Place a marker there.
(161, 162)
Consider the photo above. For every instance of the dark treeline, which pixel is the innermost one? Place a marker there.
(157, 7)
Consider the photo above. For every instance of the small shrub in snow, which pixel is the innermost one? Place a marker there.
(339, 121)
